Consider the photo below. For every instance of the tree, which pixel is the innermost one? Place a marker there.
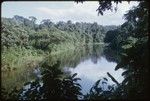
(134, 85)
(47, 23)
(33, 19)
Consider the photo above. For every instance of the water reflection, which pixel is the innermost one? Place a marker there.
(57, 84)
(55, 80)
(90, 72)
(70, 58)
(54, 84)
(111, 55)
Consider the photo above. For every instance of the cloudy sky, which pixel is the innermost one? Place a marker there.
(66, 10)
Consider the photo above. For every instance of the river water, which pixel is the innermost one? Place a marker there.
(90, 72)
(90, 63)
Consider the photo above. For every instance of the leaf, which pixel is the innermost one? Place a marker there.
(97, 82)
(125, 72)
(27, 83)
(75, 79)
(126, 46)
(117, 67)
(125, 80)
(78, 84)
(104, 82)
(79, 93)
(74, 75)
(91, 90)
(120, 65)
(124, 54)
(113, 79)
(105, 79)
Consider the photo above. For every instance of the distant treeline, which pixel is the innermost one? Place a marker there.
(22, 39)
(20, 31)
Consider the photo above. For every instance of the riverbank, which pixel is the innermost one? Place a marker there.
(18, 57)
(24, 62)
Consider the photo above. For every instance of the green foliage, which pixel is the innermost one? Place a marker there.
(16, 57)
(105, 5)
(52, 85)
(20, 31)
(21, 36)
(131, 41)
(101, 90)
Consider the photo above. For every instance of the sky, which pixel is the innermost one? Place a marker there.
(66, 10)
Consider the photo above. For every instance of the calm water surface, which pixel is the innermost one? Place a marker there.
(90, 72)
(89, 63)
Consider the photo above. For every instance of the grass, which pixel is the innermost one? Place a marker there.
(21, 62)
(16, 57)
(62, 48)
(17, 63)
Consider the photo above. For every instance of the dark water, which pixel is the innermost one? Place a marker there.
(89, 62)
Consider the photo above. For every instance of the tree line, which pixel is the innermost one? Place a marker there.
(22, 37)
(20, 31)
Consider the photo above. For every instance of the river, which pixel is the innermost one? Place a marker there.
(89, 62)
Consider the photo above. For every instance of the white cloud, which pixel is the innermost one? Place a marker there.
(85, 12)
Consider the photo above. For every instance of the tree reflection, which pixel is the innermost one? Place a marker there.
(111, 55)
(96, 53)
(60, 85)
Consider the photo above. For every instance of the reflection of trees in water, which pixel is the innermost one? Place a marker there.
(96, 53)
(73, 57)
(57, 84)
(54, 84)
(67, 59)
(111, 55)
(10, 78)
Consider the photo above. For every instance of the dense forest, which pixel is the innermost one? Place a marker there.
(130, 43)
(22, 37)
